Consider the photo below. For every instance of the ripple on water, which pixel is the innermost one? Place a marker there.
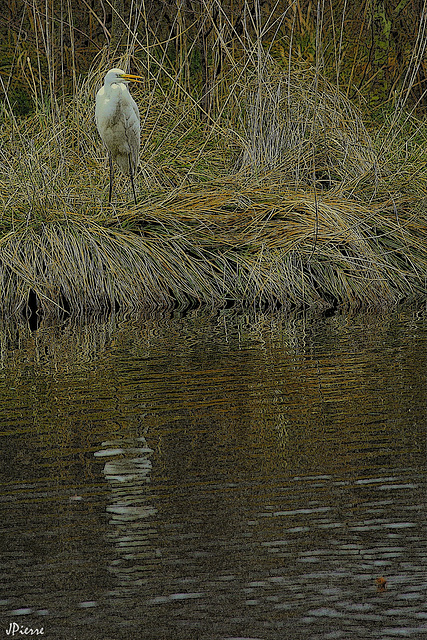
(188, 478)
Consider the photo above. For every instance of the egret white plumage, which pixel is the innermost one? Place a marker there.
(117, 119)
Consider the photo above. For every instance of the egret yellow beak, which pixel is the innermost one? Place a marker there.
(131, 78)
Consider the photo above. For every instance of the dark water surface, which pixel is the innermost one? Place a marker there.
(215, 478)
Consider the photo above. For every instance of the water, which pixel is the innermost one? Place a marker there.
(214, 478)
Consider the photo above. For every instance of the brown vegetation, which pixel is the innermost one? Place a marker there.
(261, 182)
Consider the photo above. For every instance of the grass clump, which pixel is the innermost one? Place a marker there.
(304, 125)
(284, 197)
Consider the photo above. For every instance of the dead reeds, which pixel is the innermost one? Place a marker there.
(219, 246)
(276, 195)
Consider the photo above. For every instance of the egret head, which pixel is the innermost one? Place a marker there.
(119, 76)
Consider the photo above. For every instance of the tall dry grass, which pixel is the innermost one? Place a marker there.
(264, 185)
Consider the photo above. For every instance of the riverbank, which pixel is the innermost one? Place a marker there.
(279, 203)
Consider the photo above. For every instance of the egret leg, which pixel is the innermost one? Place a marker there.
(110, 195)
(131, 178)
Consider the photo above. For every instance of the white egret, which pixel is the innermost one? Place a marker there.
(117, 119)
